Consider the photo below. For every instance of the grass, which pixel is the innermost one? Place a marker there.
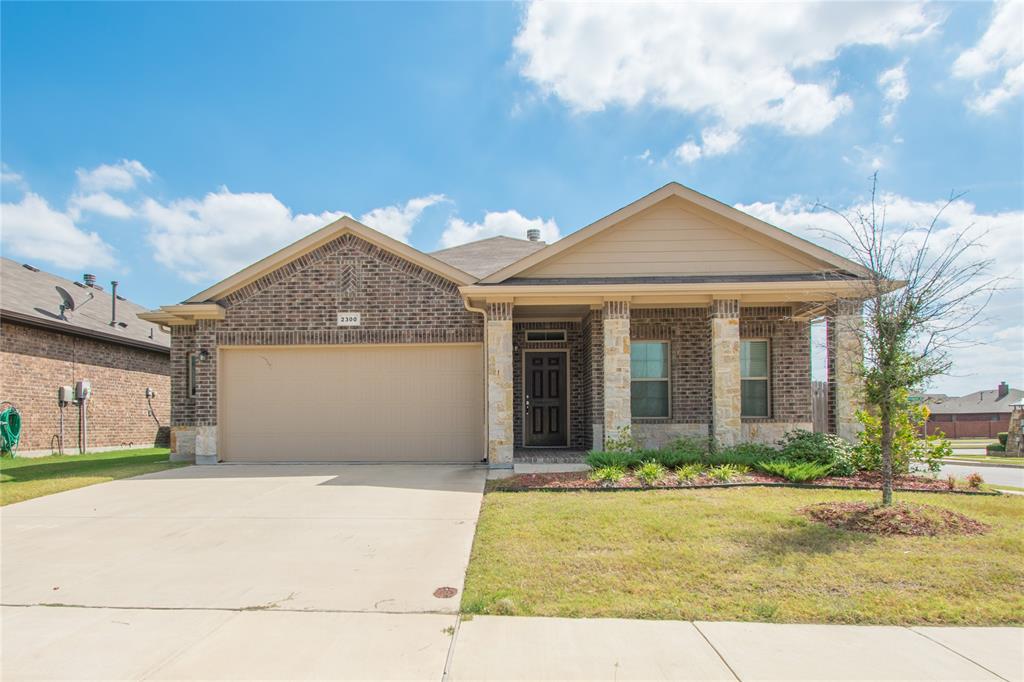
(1001, 461)
(23, 478)
(739, 554)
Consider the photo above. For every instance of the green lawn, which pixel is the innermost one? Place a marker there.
(738, 554)
(22, 478)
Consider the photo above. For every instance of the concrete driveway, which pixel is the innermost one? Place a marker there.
(239, 571)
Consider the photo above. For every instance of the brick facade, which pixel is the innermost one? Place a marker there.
(297, 304)
(689, 335)
(34, 362)
(790, 369)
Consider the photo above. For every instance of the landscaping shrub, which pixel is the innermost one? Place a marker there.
(723, 473)
(598, 459)
(907, 445)
(650, 472)
(975, 480)
(1003, 436)
(995, 447)
(608, 475)
(819, 448)
(622, 441)
(795, 472)
(689, 472)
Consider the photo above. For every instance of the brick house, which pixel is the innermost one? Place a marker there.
(675, 315)
(102, 342)
(982, 414)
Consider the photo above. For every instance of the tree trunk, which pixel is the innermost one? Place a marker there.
(886, 419)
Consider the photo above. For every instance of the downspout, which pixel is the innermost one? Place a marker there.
(487, 401)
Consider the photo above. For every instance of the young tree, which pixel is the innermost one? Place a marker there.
(924, 291)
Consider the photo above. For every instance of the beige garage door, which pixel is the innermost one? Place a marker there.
(352, 404)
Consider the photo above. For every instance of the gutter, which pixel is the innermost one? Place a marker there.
(65, 328)
(487, 401)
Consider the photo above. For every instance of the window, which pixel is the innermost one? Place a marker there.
(546, 335)
(649, 367)
(754, 378)
(190, 363)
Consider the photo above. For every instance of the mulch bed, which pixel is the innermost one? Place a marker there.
(898, 519)
(580, 480)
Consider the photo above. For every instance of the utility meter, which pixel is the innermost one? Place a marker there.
(65, 395)
(83, 390)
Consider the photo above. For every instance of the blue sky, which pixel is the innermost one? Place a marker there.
(166, 145)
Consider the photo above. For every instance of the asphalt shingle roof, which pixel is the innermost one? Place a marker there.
(30, 295)
(977, 402)
(481, 258)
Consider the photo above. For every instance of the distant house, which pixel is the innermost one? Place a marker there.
(981, 414)
(101, 341)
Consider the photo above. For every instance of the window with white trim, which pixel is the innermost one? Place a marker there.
(649, 394)
(754, 372)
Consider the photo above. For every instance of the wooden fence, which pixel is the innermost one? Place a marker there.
(819, 406)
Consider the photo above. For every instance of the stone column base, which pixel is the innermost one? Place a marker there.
(206, 445)
(183, 444)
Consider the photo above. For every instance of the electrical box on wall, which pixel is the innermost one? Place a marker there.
(83, 390)
(65, 394)
(150, 393)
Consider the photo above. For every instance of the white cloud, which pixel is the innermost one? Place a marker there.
(509, 223)
(34, 231)
(1000, 51)
(397, 221)
(116, 177)
(689, 151)
(895, 89)
(10, 177)
(223, 232)
(735, 64)
(98, 202)
(998, 353)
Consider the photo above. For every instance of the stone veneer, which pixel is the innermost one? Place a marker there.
(725, 372)
(500, 417)
(845, 356)
(617, 408)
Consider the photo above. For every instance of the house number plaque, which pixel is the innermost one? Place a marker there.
(348, 320)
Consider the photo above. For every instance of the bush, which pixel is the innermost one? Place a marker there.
(975, 480)
(650, 472)
(907, 445)
(689, 472)
(598, 459)
(818, 448)
(795, 472)
(1003, 436)
(609, 475)
(724, 473)
(623, 441)
(995, 447)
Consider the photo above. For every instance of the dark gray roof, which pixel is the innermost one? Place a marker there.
(979, 401)
(481, 258)
(30, 296)
(684, 279)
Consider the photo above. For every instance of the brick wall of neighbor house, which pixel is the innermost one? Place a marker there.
(399, 302)
(578, 426)
(34, 362)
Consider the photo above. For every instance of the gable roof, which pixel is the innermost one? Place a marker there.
(344, 225)
(979, 401)
(30, 296)
(482, 257)
(674, 189)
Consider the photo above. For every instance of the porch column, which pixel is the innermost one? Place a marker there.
(618, 413)
(206, 393)
(725, 371)
(845, 356)
(499, 384)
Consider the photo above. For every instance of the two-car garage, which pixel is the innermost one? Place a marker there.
(365, 403)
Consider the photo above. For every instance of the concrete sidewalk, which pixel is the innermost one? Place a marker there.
(503, 648)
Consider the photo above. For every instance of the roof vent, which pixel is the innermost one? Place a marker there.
(30, 267)
(533, 234)
(90, 280)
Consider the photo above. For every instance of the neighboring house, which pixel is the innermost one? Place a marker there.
(982, 414)
(102, 342)
(676, 315)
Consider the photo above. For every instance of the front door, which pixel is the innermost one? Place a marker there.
(546, 380)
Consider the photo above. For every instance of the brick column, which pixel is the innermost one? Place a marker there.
(618, 412)
(499, 384)
(725, 371)
(845, 357)
(206, 393)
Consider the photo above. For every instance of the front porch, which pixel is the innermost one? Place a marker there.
(564, 378)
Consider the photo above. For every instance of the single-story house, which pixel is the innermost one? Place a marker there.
(982, 414)
(675, 315)
(54, 333)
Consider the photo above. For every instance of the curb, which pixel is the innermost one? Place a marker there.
(983, 465)
(617, 489)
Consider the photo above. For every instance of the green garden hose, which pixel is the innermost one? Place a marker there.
(10, 429)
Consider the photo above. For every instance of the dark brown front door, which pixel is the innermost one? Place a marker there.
(545, 398)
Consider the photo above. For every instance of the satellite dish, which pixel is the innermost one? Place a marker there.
(67, 301)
